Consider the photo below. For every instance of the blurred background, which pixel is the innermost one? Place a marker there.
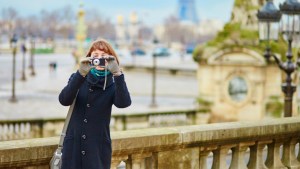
(185, 61)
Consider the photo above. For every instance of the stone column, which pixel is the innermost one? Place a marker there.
(256, 155)
(289, 158)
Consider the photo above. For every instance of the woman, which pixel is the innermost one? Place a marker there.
(87, 144)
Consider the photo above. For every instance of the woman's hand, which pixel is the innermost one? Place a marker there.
(113, 66)
(85, 66)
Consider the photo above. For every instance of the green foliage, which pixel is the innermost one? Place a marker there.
(274, 107)
(246, 4)
(203, 102)
(239, 3)
(197, 53)
(234, 36)
(44, 50)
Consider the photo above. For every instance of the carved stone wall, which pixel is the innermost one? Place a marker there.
(238, 82)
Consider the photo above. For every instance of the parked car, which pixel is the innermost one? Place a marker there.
(138, 52)
(190, 49)
(161, 52)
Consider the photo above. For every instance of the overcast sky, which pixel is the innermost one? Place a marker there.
(150, 11)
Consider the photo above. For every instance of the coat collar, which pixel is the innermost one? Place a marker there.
(99, 81)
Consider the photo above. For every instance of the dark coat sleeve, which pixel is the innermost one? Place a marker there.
(68, 93)
(122, 97)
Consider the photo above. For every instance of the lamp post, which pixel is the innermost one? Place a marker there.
(269, 17)
(24, 49)
(13, 42)
(153, 100)
(32, 49)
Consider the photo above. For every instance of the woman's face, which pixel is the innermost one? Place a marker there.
(99, 54)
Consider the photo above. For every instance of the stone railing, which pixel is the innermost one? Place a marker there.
(267, 144)
(36, 128)
(31, 128)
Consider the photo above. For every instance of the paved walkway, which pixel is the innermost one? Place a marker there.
(38, 96)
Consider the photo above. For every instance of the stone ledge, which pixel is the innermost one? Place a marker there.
(39, 151)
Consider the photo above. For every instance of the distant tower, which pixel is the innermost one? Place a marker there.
(187, 11)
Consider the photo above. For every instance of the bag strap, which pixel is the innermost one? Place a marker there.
(63, 134)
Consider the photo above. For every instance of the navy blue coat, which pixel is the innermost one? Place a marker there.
(87, 144)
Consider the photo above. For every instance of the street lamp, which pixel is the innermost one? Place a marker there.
(32, 49)
(269, 18)
(154, 55)
(13, 42)
(23, 49)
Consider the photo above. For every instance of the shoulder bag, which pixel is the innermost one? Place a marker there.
(56, 160)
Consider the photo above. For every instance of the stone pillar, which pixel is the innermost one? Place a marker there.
(256, 155)
(238, 154)
(289, 158)
(273, 159)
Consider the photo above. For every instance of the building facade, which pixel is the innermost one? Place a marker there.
(239, 84)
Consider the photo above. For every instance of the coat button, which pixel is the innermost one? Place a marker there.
(91, 90)
(83, 152)
(88, 105)
(83, 137)
(85, 120)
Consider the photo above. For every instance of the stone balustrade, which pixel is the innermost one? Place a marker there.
(266, 144)
(36, 128)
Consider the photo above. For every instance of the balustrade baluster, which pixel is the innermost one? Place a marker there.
(203, 154)
(128, 163)
(152, 162)
(28, 130)
(22, 130)
(1, 133)
(10, 131)
(17, 131)
(298, 148)
(289, 158)
(219, 161)
(5, 132)
(256, 155)
(238, 155)
(273, 159)
(116, 160)
(137, 161)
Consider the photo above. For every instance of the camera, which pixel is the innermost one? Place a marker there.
(98, 62)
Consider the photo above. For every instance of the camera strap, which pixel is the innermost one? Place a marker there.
(105, 80)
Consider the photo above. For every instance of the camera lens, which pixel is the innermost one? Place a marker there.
(96, 62)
